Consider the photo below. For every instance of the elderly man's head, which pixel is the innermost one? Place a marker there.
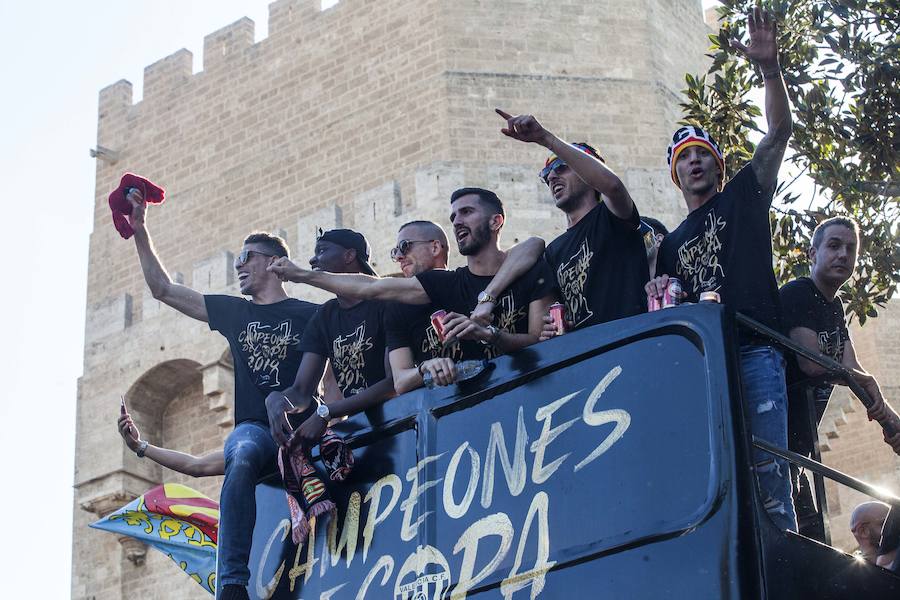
(865, 525)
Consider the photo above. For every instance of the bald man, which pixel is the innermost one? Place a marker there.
(865, 525)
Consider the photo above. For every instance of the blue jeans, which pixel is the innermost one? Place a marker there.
(765, 399)
(250, 452)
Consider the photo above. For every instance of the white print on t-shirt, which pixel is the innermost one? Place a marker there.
(507, 318)
(266, 346)
(698, 258)
(349, 359)
(830, 344)
(572, 276)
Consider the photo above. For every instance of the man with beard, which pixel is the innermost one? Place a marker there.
(264, 336)
(347, 331)
(413, 343)
(477, 216)
(600, 261)
(725, 245)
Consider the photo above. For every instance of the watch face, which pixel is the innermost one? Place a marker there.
(323, 411)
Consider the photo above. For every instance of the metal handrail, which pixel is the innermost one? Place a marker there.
(833, 474)
(832, 367)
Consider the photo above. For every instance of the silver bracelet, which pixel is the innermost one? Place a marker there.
(142, 447)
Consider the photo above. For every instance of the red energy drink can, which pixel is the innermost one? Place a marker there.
(558, 314)
(437, 321)
(672, 295)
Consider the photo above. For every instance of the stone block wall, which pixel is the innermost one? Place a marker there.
(366, 115)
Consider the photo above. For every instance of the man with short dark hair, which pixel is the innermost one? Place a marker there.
(348, 331)
(725, 245)
(477, 216)
(413, 344)
(600, 261)
(264, 336)
(813, 316)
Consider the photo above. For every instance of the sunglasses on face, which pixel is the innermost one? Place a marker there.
(241, 259)
(557, 165)
(403, 247)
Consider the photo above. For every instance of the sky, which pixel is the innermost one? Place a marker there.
(56, 57)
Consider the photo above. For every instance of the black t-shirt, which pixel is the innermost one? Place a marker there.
(600, 265)
(803, 305)
(457, 291)
(409, 326)
(352, 339)
(265, 345)
(726, 246)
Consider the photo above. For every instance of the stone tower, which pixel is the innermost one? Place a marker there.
(366, 115)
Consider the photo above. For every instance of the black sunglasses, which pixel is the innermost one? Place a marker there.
(403, 247)
(241, 259)
(557, 165)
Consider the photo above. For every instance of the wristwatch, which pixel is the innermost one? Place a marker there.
(142, 447)
(495, 336)
(323, 411)
(485, 297)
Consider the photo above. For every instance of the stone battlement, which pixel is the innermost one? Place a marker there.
(366, 115)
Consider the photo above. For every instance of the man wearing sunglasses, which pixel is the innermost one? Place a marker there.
(477, 216)
(264, 335)
(346, 331)
(600, 261)
(413, 343)
(421, 246)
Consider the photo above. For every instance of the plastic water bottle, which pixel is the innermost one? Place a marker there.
(465, 370)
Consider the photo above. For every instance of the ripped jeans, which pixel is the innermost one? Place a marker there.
(765, 396)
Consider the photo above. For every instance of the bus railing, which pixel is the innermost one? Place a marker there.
(834, 371)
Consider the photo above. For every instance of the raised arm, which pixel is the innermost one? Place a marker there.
(353, 285)
(207, 465)
(526, 128)
(763, 51)
(519, 259)
(180, 297)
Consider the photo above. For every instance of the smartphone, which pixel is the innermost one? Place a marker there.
(122, 406)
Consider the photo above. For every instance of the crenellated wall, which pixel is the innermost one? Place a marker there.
(366, 115)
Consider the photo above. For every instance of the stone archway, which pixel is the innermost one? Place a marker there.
(150, 395)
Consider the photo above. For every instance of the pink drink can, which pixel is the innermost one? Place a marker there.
(558, 314)
(437, 321)
(673, 293)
